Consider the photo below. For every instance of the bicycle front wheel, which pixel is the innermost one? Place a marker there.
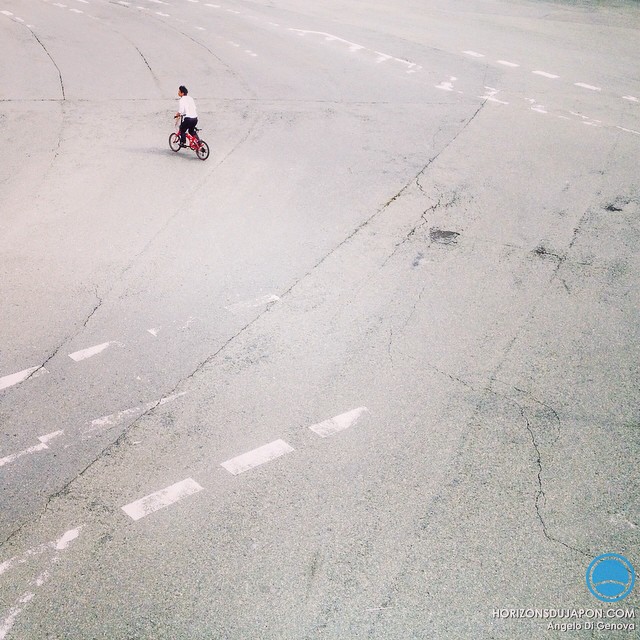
(203, 150)
(174, 141)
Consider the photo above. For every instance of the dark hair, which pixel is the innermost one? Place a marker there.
(183, 89)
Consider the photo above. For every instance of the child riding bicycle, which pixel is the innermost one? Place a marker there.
(186, 109)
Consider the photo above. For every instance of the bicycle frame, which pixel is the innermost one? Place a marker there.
(194, 142)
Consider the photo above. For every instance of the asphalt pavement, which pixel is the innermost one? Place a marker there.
(368, 371)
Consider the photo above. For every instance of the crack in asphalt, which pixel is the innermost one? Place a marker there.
(67, 339)
(146, 62)
(234, 73)
(386, 205)
(540, 495)
(124, 37)
(52, 60)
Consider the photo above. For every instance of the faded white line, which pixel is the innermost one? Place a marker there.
(506, 63)
(544, 74)
(329, 38)
(170, 398)
(539, 109)
(18, 19)
(14, 612)
(21, 376)
(631, 98)
(382, 57)
(83, 354)
(338, 423)
(474, 54)
(161, 499)
(164, 15)
(490, 96)
(6, 13)
(118, 417)
(256, 302)
(44, 440)
(189, 322)
(154, 332)
(587, 86)
(256, 457)
(76, 10)
(447, 86)
(60, 545)
(628, 130)
(66, 539)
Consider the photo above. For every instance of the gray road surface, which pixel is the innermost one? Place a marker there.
(370, 371)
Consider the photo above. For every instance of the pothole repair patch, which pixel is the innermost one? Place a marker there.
(443, 237)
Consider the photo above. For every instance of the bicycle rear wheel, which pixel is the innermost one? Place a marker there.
(203, 150)
(174, 141)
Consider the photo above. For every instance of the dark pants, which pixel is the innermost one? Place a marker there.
(188, 124)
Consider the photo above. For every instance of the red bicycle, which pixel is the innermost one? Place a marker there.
(193, 142)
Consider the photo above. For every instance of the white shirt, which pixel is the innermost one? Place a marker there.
(187, 107)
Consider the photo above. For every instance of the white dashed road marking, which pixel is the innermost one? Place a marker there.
(338, 423)
(34, 449)
(474, 54)
(506, 63)
(544, 74)
(83, 354)
(630, 98)
(161, 499)
(587, 86)
(21, 376)
(257, 457)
